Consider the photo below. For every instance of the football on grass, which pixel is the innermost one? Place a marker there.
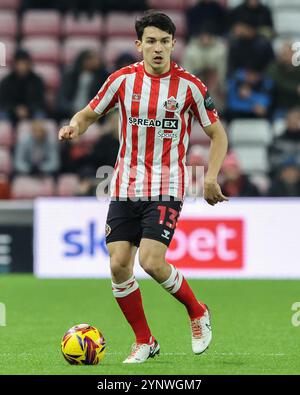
(83, 345)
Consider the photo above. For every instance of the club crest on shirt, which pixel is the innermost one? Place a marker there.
(171, 104)
(136, 97)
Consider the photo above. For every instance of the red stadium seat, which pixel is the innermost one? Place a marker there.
(73, 46)
(23, 128)
(49, 73)
(5, 161)
(67, 185)
(42, 49)
(92, 135)
(121, 24)
(9, 4)
(178, 53)
(4, 187)
(43, 23)
(198, 136)
(8, 24)
(179, 20)
(83, 26)
(118, 45)
(6, 134)
(9, 51)
(27, 187)
(168, 4)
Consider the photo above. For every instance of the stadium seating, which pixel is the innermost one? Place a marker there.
(253, 159)
(179, 50)
(121, 24)
(283, 3)
(6, 134)
(10, 48)
(83, 26)
(168, 4)
(49, 73)
(118, 45)
(23, 128)
(27, 187)
(74, 45)
(198, 136)
(5, 161)
(42, 49)
(286, 21)
(179, 20)
(9, 4)
(8, 24)
(250, 131)
(41, 23)
(67, 185)
(279, 127)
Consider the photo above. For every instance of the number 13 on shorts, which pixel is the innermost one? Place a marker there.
(167, 216)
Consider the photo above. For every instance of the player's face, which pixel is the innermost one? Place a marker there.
(156, 46)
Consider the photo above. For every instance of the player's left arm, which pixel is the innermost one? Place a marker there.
(218, 150)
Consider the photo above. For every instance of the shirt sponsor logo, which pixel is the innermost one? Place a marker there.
(166, 123)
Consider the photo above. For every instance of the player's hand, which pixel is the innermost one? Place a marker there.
(68, 132)
(212, 192)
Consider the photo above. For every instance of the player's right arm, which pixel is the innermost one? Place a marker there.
(78, 124)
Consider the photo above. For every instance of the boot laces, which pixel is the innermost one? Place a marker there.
(196, 328)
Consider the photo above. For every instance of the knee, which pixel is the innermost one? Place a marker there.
(151, 261)
(119, 262)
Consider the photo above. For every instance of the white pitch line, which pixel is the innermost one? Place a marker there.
(215, 353)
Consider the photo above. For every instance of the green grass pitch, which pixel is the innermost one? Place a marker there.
(251, 320)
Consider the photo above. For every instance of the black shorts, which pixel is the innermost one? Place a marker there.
(131, 221)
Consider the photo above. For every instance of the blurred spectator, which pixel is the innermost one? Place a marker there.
(87, 183)
(286, 81)
(44, 4)
(249, 95)
(247, 49)
(206, 11)
(75, 156)
(234, 182)
(80, 83)
(127, 6)
(123, 60)
(37, 152)
(22, 91)
(106, 149)
(206, 51)
(104, 153)
(78, 156)
(288, 144)
(287, 180)
(197, 162)
(259, 12)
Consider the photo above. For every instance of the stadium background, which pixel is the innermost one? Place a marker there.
(245, 57)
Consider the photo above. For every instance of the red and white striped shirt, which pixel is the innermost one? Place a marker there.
(155, 118)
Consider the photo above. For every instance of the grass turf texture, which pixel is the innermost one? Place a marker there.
(251, 323)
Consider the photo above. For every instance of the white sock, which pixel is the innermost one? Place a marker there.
(173, 283)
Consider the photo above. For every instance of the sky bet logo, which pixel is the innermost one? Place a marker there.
(86, 241)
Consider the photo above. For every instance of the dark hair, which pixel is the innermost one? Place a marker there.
(21, 54)
(156, 19)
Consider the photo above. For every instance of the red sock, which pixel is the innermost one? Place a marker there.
(177, 285)
(129, 298)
